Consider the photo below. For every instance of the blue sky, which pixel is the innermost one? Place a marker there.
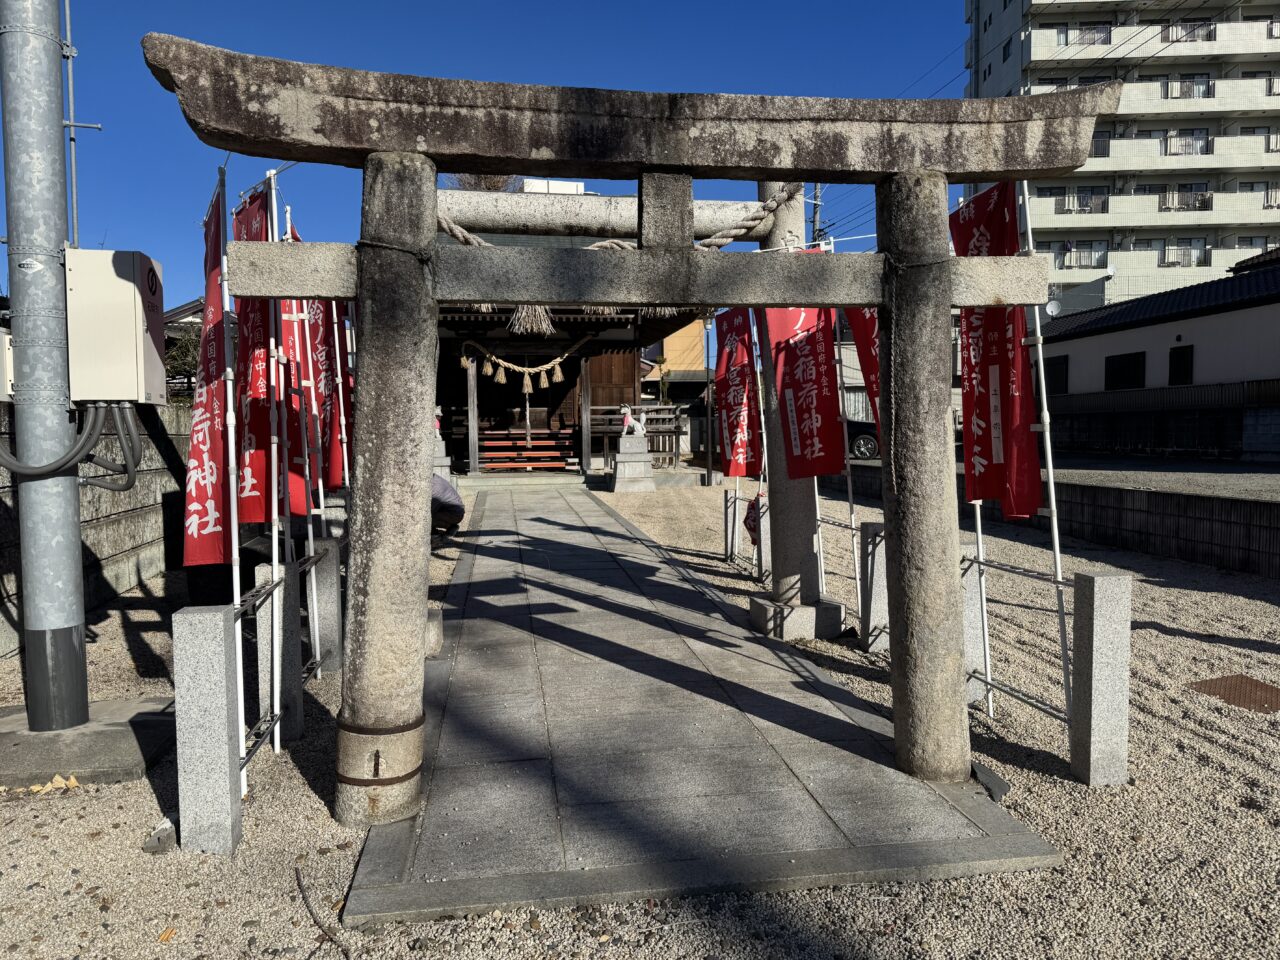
(145, 181)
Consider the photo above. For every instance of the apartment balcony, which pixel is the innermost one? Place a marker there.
(1174, 209)
(1194, 98)
(1183, 153)
(1155, 43)
(1137, 273)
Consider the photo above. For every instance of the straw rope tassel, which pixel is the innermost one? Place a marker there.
(487, 369)
(500, 376)
(527, 386)
(556, 375)
(542, 381)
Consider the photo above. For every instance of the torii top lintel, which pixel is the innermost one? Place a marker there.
(288, 110)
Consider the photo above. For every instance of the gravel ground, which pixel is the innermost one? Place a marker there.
(1184, 863)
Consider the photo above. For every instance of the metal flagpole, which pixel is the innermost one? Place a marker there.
(848, 465)
(280, 474)
(307, 413)
(1037, 340)
(233, 474)
(340, 358)
(982, 598)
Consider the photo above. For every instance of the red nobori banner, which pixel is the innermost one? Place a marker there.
(864, 324)
(294, 316)
(737, 402)
(253, 394)
(208, 499)
(1001, 459)
(804, 358)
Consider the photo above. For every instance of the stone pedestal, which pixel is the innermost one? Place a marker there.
(435, 632)
(873, 599)
(208, 729)
(823, 620)
(975, 690)
(441, 465)
(633, 466)
(1099, 724)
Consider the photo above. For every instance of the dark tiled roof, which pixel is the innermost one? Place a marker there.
(1269, 259)
(1248, 289)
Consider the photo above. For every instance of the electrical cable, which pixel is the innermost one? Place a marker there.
(130, 449)
(86, 439)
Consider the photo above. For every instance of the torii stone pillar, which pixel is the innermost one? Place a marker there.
(909, 149)
(380, 726)
(922, 546)
(794, 608)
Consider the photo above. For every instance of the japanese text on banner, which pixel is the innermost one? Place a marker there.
(207, 535)
(737, 401)
(802, 340)
(1001, 458)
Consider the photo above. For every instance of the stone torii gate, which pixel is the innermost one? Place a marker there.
(399, 128)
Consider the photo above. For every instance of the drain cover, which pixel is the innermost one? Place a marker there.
(1242, 691)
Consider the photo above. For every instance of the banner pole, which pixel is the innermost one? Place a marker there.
(1037, 340)
(982, 597)
(343, 364)
(309, 416)
(233, 474)
(279, 470)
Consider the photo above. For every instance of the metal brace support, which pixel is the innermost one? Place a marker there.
(68, 51)
(1032, 341)
(58, 253)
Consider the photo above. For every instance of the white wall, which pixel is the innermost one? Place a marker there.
(1229, 348)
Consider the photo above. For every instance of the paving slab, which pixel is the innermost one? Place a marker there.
(609, 730)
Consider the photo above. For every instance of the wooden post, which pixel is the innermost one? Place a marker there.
(584, 395)
(473, 419)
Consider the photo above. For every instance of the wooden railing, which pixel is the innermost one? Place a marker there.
(662, 428)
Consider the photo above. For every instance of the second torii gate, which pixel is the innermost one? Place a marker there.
(398, 128)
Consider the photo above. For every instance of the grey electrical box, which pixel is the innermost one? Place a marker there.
(115, 326)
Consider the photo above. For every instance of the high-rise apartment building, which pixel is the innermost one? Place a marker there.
(1184, 181)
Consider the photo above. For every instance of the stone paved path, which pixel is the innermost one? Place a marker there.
(597, 730)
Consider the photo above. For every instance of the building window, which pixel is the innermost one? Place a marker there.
(1126, 371)
(1055, 375)
(1007, 52)
(1181, 363)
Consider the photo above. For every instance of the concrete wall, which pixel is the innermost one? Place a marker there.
(1242, 535)
(1229, 348)
(127, 537)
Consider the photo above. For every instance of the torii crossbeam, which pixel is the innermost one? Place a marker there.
(399, 128)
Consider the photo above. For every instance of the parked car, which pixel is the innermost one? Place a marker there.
(864, 443)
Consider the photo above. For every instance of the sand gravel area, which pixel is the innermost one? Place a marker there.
(1185, 862)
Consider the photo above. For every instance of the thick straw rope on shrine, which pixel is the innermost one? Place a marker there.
(494, 366)
(527, 318)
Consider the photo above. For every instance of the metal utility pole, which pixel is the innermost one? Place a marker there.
(815, 216)
(31, 53)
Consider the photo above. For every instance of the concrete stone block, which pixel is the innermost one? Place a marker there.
(873, 604)
(328, 603)
(262, 630)
(208, 730)
(441, 465)
(808, 621)
(1099, 726)
(632, 466)
(973, 660)
(291, 653)
(435, 632)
